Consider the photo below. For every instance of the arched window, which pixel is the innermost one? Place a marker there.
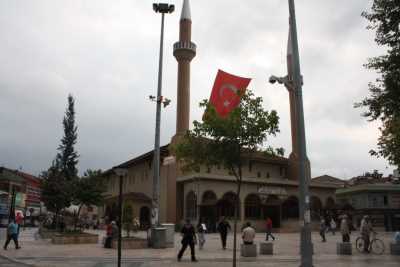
(191, 205)
(252, 207)
(226, 205)
(209, 198)
(330, 203)
(315, 208)
(290, 208)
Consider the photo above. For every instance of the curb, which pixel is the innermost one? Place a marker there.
(16, 261)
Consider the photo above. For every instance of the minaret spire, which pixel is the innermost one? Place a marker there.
(186, 10)
(184, 52)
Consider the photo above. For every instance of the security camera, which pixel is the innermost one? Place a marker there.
(273, 79)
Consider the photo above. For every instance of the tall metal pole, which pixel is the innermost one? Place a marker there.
(305, 238)
(11, 212)
(156, 168)
(120, 219)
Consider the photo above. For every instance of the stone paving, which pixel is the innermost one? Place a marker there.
(42, 253)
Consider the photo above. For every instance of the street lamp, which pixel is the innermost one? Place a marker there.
(293, 82)
(162, 8)
(121, 173)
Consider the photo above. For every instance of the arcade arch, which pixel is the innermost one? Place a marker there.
(191, 205)
(290, 208)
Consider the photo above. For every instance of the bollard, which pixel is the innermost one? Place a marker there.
(248, 250)
(266, 248)
(344, 248)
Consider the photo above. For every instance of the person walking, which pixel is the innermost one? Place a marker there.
(332, 226)
(366, 229)
(12, 233)
(322, 230)
(396, 238)
(269, 229)
(345, 229)
(223, 228)
(201, 233)
(109, 234)
(19, 218)
(188, 239)
(248, 234)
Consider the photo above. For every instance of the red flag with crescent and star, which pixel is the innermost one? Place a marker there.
(227, 91)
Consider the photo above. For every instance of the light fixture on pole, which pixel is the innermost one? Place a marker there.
(162, 8)
(293, 82)
(121, 173)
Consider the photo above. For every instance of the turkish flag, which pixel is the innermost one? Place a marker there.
(227, 91)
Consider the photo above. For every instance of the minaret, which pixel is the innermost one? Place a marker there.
(184, 52)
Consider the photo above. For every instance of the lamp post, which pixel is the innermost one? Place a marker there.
(121, 173)
(293, 82)
(163, 9)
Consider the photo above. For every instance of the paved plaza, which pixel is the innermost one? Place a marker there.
(38, 252)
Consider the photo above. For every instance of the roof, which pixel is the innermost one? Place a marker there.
(11, 175)
(251, 180)
(28, 176)
(369, 188)
(329, 179)
(146, 156)
(138, 196)
(185, 14)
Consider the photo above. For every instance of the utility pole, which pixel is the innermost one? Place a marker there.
(304, 180)
(293, 82)
(121, 173)
(163, 9)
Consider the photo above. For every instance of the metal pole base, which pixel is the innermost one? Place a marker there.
(306, 249)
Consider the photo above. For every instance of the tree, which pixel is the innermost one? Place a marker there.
(54, 193)
(67, 156)
(227, 141)
(383, 104)
(88, 191)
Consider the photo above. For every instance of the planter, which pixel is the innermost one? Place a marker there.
(82, 238)
(46, 233)
(131, 243)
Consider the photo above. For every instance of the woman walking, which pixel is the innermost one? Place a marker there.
(201, 233)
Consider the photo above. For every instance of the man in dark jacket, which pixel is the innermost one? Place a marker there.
(188, 239)
(223, 228)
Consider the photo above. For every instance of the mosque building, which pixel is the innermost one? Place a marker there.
(270, 186)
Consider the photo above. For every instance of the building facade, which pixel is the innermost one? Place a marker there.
(210, 194)
(27, 193)
(381, 201)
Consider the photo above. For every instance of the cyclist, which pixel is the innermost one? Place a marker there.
(366, 229)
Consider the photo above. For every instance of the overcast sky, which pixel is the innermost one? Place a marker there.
(105, 53)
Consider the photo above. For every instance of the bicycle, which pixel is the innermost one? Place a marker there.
(375, 245)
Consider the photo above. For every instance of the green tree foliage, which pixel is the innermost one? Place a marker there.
(127, 218)
(55, 193)
(88, 191)
(383, 103)
(67, 156)
(227, 141)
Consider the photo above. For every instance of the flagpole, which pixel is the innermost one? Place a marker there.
(305, 231)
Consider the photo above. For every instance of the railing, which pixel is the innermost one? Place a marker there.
(185, 45)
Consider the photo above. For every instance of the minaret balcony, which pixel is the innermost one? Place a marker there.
(184, 50)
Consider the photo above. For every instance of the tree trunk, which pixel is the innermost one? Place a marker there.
(77, 217)
(56, 220)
